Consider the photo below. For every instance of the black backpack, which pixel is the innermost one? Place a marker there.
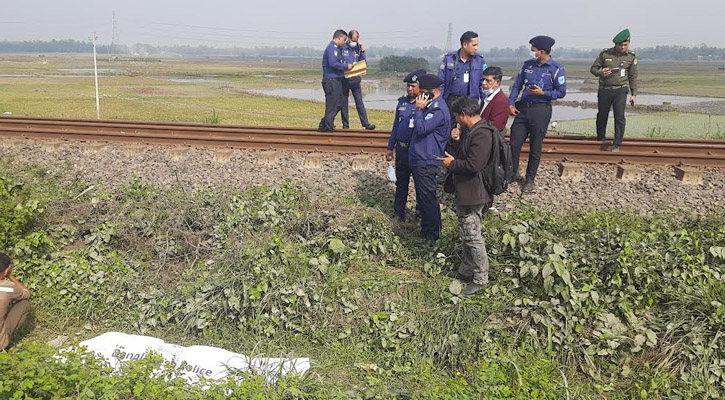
(498, 173)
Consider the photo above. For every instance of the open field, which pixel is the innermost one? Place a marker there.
(216, 90)
(663, 125)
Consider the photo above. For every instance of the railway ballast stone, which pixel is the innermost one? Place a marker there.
(657, 189)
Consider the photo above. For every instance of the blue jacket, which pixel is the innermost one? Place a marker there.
(334, 64)
(430, 134)
(550, 76)
(352, 54)
(452, 71)
(404, 118)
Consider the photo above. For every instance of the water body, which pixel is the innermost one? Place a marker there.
(89, 71)
(194, 80)
(387, 99)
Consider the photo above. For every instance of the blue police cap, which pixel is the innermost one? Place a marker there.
(542, 42)
(414, 76)
(429, 81)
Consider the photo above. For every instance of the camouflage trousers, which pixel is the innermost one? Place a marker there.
(474, 261)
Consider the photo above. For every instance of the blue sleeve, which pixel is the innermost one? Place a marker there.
(442, 76)
(516, 88)
(424, 127)
(480, 84)
(332, 61)
(394, 132)
(362, 56)
(558, 90)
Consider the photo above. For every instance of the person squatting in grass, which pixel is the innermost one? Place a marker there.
(470, 151)
(11, 290)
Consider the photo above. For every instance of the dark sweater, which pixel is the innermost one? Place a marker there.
(471, 152)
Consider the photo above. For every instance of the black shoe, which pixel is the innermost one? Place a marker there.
(600, 139)
(472, 288)
(615, 148)
(370, 127)
(457, 275)
(529, 186)
(518, 178)
(345, 127)
(325, 130)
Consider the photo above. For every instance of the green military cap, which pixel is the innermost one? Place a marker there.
(621, 37)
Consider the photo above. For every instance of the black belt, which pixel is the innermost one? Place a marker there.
(404, 144)
(614, 87)
(530, 104)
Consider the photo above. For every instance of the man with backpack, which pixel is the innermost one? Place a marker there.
(471, 150)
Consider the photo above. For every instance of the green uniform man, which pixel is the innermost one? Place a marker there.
(617, 71)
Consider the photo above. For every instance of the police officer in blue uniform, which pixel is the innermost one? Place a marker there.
(400, 136)
(354, 51)
(431, 131)
(540, 81)
(462, 71)
(334, 66)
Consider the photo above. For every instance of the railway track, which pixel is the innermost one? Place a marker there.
(695, 152)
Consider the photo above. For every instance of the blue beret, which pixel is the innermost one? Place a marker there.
(542, 42)
(414, 76)
(429, 81)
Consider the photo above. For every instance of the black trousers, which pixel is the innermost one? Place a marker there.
(532, 123)
(333, 102)
(612, 98)
(402, 180)
(353, 85)
(426, 191)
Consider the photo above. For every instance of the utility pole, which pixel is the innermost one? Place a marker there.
(449, 39)
(95, 73)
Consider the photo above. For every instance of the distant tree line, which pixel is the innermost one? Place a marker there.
(403, 63)
(683, 53)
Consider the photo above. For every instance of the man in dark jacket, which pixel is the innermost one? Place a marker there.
(471, 150)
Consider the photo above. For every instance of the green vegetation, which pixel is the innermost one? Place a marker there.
(666, 124)
(403, 64)
(584, 305)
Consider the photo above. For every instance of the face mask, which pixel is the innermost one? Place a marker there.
(532, 54)
(487, 92)
(353, 44)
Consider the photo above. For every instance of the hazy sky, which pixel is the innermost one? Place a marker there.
(582, 24)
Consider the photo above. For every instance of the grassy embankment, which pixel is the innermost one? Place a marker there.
(585, 305)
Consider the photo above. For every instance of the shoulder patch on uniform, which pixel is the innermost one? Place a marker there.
(634, 62)
(484, 66)
(428, 116)
(335, 52)
(435, 105)
(562, 79)
(450, 64)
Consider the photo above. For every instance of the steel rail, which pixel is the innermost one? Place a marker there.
(696, 152)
